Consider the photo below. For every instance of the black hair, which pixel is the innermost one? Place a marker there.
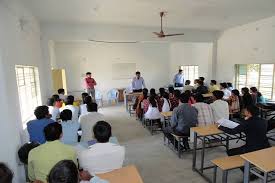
(137, 72)
(50, 102)
(214, 82)
(165, 95)
(6, 175)
(199, 98)
(70, 100)
(102, 131)
(202, 79)
(188, 93)
(229, 85)
(64, 171)
(184, 98)
(255, 90)
(153, 101)
(41, 112)
(236, 92)
(56, 97)
(187, 82)
(145, 93)
(88, 73)
(253, 110)
(218, 94)
(66, 115)
(83, 95)
(53, 131)
(224, 85)
(200, 82)
(153, 92)
(24, 150)
(177, 94)
(180, 70)
(60, 91)
(87, 100)
(245, 90)
(161, 91)
(171, 89)
(92, 107)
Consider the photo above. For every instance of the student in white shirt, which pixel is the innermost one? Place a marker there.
(187, 86)
(53, 110)
(224, 88)
(83, 107)
(87, 121)
(103, 156)
(153, 111)
(69, 105)
(166, 106)
(219, 107)
(61, 93)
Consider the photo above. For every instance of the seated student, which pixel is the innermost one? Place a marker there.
(35, 127)
(202, 79)
(171, 91)
(61, 93)
(201, 89)
(191, 98)
(87, 121)
(234, 102)
(24, 150)
(246, 99)
(187, 86)
(161, 92)
(183, 118)
(219, 107)
(229, 86)
(83, 96)
(103, 156)
(6, 175)
(58, 102)
(83, 107)
(142, 103)
(166, 103)
(213, 86)
(255, 130)
(153, 111)
(257, 96)
(69, 128)
(205, 114)
(196, 85)
(153, 94)
(43, 158)
(69, 105)
(226, 92)
(53, 110)
(174, 99)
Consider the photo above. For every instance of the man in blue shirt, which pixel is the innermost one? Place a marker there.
(138, 83)
(179, 79)
(36, 127)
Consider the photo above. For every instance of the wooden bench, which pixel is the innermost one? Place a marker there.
(226, 164)
(130, 108)
(179, 139)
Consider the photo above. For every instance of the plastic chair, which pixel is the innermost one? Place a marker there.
(98, 97)
(112, 95)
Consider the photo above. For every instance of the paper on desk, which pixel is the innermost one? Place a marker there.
(227, 123)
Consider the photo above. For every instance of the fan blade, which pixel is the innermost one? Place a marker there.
(167, 35)
(101, 41)
(158, 34)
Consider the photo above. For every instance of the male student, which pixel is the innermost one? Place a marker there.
(224, 88)
(219, 107)
(89, 84)
(6, 175)
(179, 79)
(43, 158)
(187, 86)
(103, 156)
(213, 86)
(69, 105)
(87, 121)
(138, 83)
(201, 89)
(35, 127)
(61, 94)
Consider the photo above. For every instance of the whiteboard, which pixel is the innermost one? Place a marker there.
(123, 70)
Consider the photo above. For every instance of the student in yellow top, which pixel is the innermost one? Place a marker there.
(213, 86)
(43, 158)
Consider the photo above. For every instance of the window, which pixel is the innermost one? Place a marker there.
(190, 72)
(28, 90)
(258, 75)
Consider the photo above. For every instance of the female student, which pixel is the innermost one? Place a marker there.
(256, 96)
(234, 102)
(246, 98)
(166, 103)
(142, 103)
(153, 111)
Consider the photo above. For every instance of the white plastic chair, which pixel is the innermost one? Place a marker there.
(98, 97)
(112, 95)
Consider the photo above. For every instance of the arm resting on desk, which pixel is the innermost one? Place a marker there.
(240, 128)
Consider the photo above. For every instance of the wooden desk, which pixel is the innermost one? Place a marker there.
(207, 130)
(128, 174)
(262, 159)
(207, 95)
(166, 114)
(127, 95)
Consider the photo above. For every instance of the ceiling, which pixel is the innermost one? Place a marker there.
(197, 14)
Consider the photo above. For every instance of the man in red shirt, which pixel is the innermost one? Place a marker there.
(89, 84)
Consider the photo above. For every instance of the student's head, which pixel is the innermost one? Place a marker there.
(218, 95)
(245, 91)
(23, 151)
(153, 92)
(70, 100)
(199, 98)
(83, 95)
(88, 74)
(187, 82)
(41, 112)
(223, 85)
(145, 92)
(53, 131)
(161, 91)
(196, 81)
(66, 115)
(184, 98)
(61, 91)
(235, 92)
(213, 82)
(200, 82)
(177, 94)
(165, 95)
(138, 74)
(50, 102)
(56, 97)
(64, 171)
(171, 89)
(153, 101)
(180, 71)
(92, 107)
(251, 111)
(188, 93)
(102, 131)
(253, 90)
(6, 175)
(229, 85)
(87, 100)
(201, 79)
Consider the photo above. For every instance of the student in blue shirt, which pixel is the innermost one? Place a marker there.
(35, 127)
(69, 128)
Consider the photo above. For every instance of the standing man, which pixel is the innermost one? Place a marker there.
(138, 83)
(89, 84)
(179, 79)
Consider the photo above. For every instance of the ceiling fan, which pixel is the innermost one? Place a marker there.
(161, 33)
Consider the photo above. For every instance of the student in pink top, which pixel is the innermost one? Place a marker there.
(89, 84)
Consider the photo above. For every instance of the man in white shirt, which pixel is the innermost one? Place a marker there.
(70, 106)
(179, 79)
(226, 92)
(53, 110)
(138, 83)
(87, 121)
(219, 107)
(61, 94)
(103, 156)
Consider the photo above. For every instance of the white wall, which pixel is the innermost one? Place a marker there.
(16, 47)
(152, 60)
(250, 43)
(191, 54)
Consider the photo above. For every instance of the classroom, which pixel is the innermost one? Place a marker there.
(137, 91)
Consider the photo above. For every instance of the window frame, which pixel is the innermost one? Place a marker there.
(194, 76)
